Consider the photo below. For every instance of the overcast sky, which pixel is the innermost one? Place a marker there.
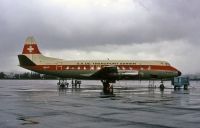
(100, 29)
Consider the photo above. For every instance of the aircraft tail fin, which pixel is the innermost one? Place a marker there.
(30, 46)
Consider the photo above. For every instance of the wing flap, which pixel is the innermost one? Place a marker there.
(128, 72)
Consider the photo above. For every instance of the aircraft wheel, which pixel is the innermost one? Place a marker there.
(62, 85)
(175, 87)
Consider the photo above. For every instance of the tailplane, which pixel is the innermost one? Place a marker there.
(25, 61)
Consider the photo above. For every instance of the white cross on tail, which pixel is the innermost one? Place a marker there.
(30, 49)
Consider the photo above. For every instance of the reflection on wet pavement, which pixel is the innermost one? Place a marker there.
(41, 104)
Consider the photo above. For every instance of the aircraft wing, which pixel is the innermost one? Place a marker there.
(112, 73)
(108, 72)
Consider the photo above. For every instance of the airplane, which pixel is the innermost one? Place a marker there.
(108, 71)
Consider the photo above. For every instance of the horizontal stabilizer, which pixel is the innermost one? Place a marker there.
(25, 61)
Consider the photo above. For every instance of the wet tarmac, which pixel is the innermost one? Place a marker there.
(40, 104)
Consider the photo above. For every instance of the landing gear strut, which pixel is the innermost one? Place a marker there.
(107, 88)
(76, 83)
(62, 83)
(185, 87)
(152, 84)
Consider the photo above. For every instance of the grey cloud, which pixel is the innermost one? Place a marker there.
(59, 27)
(166, 20)
(180, 18)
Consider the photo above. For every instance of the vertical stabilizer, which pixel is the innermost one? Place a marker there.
(30, 46)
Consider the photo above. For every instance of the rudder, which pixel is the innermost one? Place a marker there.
(30, 46)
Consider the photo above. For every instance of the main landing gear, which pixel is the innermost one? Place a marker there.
(76, 83)
(64, 84)
(107, 88)
(151, 84)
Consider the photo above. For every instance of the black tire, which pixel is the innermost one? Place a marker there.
(175, 87)
(62, 85)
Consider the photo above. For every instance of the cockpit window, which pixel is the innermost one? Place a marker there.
(167, 64)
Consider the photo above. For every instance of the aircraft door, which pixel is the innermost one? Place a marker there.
(91, 67)
(59, 66)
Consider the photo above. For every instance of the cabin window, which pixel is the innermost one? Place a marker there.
(67, 68)
(98, 68)
(92, 68)
(167, 64)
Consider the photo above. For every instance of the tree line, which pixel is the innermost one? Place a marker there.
(25, 75)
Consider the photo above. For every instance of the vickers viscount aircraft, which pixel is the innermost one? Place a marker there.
(108, 71)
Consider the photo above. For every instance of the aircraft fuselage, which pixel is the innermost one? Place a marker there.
(33, 60)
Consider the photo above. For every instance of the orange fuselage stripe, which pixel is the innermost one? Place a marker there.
(97, 67)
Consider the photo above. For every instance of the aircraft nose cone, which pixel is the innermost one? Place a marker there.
(179, 73)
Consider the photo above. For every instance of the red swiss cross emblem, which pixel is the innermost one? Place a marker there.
(30, 49)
